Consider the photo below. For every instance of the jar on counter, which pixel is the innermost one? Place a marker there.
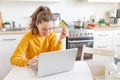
(6, 24)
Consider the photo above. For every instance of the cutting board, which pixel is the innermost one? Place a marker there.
(1, 21)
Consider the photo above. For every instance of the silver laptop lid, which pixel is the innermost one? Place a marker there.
(56, 62)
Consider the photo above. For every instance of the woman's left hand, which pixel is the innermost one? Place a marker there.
(63, 34)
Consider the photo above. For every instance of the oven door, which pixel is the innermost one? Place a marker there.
(79, 44)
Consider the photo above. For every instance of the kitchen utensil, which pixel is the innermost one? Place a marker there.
(1, 21)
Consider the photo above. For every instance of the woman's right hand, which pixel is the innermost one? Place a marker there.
(33, 61)
(64, 33)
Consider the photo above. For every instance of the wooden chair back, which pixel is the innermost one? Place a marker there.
(96, 51)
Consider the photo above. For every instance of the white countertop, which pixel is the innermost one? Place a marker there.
(81, 71)
(58, 29)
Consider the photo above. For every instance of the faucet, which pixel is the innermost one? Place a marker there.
(13, 24)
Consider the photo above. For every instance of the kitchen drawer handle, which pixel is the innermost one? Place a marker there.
(103, 35)
(80, 41)
(9, 39)
(102, 46)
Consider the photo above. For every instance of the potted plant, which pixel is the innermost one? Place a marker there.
(102, 22)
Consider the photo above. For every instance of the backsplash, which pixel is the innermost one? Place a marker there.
(70, 10)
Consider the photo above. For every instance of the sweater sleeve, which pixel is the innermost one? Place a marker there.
(17, 57)
(55, 44)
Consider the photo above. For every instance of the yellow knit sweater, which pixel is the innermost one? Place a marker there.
(32, 45)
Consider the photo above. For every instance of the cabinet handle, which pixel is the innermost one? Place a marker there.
(9, 39)
(103, 35)
(118, 45)
(102, 46)
(80, 41)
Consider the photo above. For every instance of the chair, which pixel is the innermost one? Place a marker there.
(98, 66)
(96, 51)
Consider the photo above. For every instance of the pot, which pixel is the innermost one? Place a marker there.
(78, 24)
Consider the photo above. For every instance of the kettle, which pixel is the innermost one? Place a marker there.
(56, 19)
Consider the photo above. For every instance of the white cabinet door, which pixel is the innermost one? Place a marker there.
(97, 0)
(104, 1)
(64, 42)
(116, 42)
(103, 39)
(34, 0)
(114, 0)
(7, 46)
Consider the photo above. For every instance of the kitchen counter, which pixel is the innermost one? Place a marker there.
(105, 28)
(57, 30)
(13, 32)
(80, 71)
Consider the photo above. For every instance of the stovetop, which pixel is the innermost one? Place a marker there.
(75, 32)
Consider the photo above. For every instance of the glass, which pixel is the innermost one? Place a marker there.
(112, 72)
(110, 69)
(118, 66)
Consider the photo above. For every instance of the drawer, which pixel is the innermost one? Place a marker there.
(103, 45)
(103, 34)
(108, 40)
(10, 39)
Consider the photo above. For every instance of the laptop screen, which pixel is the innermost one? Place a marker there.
(56, 62)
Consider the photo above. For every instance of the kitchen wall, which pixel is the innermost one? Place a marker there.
(70, 10)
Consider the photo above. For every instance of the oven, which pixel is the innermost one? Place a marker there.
(78, 38)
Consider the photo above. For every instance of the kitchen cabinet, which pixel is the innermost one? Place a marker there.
(113, 0)
(104, 1)
(7, 46)
(116, 42)
(109, 39)
(97, 0)
(103, 39)
(34, 0)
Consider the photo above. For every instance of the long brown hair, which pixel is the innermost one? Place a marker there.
(42, 13)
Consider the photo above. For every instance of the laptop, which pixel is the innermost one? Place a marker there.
(55, 62)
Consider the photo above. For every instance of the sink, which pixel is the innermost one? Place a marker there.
(11, 29)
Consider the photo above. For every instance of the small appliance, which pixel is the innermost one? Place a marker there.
(114, 16)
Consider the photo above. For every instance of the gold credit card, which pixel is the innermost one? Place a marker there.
(63, 24)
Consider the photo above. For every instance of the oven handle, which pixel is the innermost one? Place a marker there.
(80, 41)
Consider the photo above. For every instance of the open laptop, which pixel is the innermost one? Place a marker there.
(55, 62)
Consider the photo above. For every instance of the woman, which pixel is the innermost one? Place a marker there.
(38, 40)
